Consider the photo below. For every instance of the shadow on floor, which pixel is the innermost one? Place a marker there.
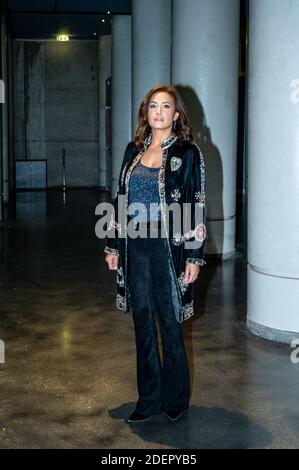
(200, 427)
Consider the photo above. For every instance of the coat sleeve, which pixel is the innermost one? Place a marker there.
(112, 239)
(195, 238)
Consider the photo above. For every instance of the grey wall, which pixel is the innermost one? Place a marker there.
(56, 106)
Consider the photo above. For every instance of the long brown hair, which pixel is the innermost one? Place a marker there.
(182, 128)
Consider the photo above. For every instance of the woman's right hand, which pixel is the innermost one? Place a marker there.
(112, 261)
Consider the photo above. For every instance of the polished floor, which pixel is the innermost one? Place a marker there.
(68, 380)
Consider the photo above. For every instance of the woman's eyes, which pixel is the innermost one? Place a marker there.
(164, 106)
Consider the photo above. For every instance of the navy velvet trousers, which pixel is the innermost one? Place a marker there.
(167, 386)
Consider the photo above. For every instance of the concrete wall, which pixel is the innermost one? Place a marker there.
(56, 106)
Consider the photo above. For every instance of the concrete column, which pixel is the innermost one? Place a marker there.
(104, 62)
(205, 56)
(4, 111)
(273, 170)
(121, 92)
(151, 46)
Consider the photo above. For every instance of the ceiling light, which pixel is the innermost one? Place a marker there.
(62, 37)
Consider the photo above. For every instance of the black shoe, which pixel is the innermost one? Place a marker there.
(138, 418)
(173, 415)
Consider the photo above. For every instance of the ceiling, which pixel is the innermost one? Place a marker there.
(44, 19)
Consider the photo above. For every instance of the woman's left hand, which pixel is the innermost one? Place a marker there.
(191, 272)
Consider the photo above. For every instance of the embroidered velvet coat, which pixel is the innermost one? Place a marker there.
(181, 179)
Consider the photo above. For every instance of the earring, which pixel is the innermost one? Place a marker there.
(174, 124)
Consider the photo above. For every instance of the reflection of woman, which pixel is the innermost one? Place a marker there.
(155, 276)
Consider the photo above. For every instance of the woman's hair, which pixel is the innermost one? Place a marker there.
(182, 128)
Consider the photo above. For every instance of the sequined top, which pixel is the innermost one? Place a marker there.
(143, 188)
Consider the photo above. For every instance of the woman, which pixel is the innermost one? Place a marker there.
(155, 276)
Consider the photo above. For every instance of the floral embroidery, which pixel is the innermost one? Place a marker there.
(199, 233)
(177, 239)
(176, 194)
(200, 196)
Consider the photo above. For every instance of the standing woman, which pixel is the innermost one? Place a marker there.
(156, 271)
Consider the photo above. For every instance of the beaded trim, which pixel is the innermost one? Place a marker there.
(202, 169)
(199, 261)
(183, 285)
(120, 302)
(111, 251)
(120, 277)
(187, 310)
(165, 144)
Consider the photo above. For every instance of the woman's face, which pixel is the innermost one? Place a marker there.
(161, 111)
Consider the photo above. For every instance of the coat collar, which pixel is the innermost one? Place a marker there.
(165, 144)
